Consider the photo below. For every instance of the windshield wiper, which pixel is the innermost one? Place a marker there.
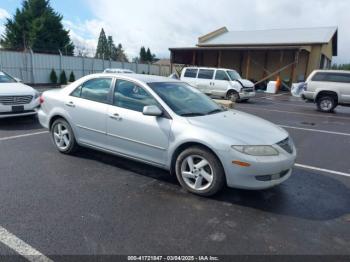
(192, 114)
(215, 111)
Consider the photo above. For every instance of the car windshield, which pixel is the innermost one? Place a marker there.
(185, 100)
(233, 75)
(5, 78)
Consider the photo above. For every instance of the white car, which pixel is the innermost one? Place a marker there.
(225, 83)
(16, 98)
(169, 124)
(118, 71)
(328, 89)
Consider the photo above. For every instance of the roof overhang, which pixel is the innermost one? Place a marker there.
(237, 48)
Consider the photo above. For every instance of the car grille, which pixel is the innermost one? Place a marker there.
(248, 89)
(286, 145)
(15, 100)
(266, 178)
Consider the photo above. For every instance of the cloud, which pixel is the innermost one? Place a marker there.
(160, 24)
(3, 15)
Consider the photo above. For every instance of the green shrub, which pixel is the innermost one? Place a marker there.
(63, 78)
(71, 77)
(53, 76)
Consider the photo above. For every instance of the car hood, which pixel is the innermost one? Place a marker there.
(241, 128)
(245, 82)
(15, 89)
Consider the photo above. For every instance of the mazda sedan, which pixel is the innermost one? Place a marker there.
(169, 124)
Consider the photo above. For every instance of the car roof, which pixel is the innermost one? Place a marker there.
(332, 71)
(118, 69)
(141, 77)
(209, 68)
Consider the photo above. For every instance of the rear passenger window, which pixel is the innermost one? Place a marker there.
(95, 90)
(332, 77)
(206, 74)
(221, 75)
(192, 73)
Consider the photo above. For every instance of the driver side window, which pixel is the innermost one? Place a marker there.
(131, 96)
(221, 75)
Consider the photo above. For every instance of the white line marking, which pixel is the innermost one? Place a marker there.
(316, 130)
(323, 170)
(297, 113)
(288, 103)
(268, 96)
(22, 248)
(24, 135)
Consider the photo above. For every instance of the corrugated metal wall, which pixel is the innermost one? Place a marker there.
(36, 68)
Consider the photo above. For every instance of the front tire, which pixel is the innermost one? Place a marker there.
(200, 172)
(63, 136)
(232, 95)
(326, 104)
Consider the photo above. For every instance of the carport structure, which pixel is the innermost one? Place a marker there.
(261, 55)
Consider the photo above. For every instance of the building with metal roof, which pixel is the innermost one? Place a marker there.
(261, 55)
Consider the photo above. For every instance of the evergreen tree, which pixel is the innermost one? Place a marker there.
(121, 56)
(36, 25)
(63, 78)
(149, 56)
(143, 55)
(102, 46)
(71, 77)
(53, 76)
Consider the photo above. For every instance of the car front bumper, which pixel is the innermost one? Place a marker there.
(308, 95)
(263, 172)
(28, 109)
(246, 95)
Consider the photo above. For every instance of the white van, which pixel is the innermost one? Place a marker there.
(221, 82)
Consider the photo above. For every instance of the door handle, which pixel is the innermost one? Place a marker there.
(115, 116)
(70, 104)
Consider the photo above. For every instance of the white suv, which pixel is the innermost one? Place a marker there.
(328, 89)
(220, 82)
(17, 99)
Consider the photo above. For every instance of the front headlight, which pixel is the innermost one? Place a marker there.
(257, 150)
(36, 94)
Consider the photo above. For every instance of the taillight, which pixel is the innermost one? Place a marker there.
(41, 100)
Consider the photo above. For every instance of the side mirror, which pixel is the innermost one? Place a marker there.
(152, 111)
(18, 80)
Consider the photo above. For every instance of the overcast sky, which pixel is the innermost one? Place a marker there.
(160, 24)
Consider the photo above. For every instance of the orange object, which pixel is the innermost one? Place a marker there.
(240, 163)
(278, 84)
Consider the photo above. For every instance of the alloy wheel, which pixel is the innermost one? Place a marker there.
(326, 105)
(61, 136)
(197, 172)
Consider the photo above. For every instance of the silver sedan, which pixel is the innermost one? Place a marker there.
(167, 123)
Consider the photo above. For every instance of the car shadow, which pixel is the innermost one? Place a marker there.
(305, 195)
(20, 123)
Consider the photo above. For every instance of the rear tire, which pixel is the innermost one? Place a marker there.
(63, 137)
(326, 104)
(200, 172)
